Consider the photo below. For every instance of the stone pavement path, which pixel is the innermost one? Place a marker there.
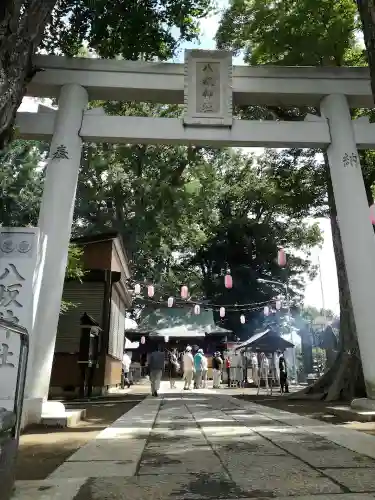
(204, 445)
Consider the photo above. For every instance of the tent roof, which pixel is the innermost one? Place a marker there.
(265, 341)
(178, 322)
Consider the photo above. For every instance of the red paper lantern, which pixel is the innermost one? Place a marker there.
(222, 312)
(150, 291)
(184, 292)
(228, 281)
(372, 214)
(281, 258)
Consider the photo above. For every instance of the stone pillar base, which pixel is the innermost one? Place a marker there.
(363, 404)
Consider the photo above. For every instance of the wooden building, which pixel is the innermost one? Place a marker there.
(103, 296)
(176, 328)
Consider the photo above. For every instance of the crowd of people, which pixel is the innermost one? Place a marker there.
(192, 367)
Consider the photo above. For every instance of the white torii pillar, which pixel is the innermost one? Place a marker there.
(55, 222)
(356, 230)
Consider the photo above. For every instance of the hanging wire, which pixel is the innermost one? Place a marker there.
(204, 304)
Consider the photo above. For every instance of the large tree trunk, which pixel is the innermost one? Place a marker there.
(344, 380)
(22, 24)
(366, 9)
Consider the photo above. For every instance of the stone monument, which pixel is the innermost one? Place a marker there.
(18, 298)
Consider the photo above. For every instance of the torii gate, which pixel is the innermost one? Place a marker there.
(207, 85)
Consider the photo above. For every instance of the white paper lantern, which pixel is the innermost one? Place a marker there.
(278, 305)
(137, 289)
(150, 291)
(143, 340)
(166, 339)
(222, 312)
(170, 302)
(197, 309)
(184, 292)
(242, 319)
(266, 310)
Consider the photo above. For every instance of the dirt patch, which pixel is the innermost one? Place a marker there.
(313, 409)
(43, 449)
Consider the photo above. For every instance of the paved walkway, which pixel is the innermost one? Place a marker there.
(205, 445)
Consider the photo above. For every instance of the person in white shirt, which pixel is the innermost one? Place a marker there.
(188, 367)
(254, 367)
(126, 362)
(204, 371)
(264, 369)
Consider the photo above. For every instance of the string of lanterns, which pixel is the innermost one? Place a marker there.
(228, 283)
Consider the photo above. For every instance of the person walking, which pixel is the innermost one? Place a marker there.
(173, 368)
(264, 370)
(204, 371)
(198, 365)
(156, 368)
(126, 362)
(217, 367)
(227, 366)
(188, 367)
(284, 386)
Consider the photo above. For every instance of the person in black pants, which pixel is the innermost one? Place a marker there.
(284, 386)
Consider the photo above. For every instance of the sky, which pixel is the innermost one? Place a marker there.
(318, 292)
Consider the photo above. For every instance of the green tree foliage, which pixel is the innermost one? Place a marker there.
(148, 30)
(21, 179)
(151, 29)
(255, 219)
(21, 184)
(366, 9)
(318, 33)
(292, 33)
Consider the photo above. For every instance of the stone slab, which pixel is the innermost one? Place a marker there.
(179, 462)
(70, 418)
(49, 489)
(251, 444)
(352, 414)
(363, 404)
(278, 476)
(129, 450)
(321, 453)
(164, 487)
(356, 480)
(70, 469)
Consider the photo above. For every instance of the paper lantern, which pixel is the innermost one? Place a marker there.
(228, 281)
(372, 214)
(197, 309)
(242, 319)
(278, 304)
(266, 310)
(184, 292)
(150, 291)
(281, 258)
(166, 339)
(137, 289)
(143, 340)
(170, 302)
(222, 312)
